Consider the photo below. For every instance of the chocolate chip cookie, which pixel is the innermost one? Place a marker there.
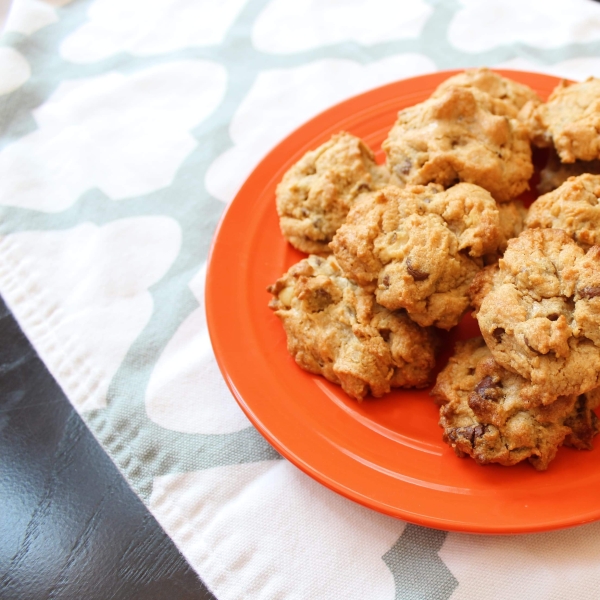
(569, 121)
(507, 97)
(485, 415)
(456, 137)
(541, 317)
(573, 207)
(336, 329)
(315, 195)
(419, 247)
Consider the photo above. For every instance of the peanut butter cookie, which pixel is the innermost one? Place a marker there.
(456, 137)
(336, 329)
(315, 195)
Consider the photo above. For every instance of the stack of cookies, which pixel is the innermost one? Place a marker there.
(401, 250)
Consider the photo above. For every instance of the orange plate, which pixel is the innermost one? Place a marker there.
(386, 453)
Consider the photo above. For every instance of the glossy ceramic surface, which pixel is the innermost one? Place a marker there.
(386, 453)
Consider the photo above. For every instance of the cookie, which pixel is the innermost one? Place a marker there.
(482, 285)
(583, 422)
(485, 415)
(555, 173)
(315, 195)
(569, 121)
(507, 96)
(454, 138)
(541, 317)
(512, 221)
(574, 207)
(336, 329)
(419, 247)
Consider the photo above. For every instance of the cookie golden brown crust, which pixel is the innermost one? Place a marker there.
(419, 247)
(541, 318)
(508, 97)
(481, 286)
(512, 221)
(315, 195)
(336, 329)
(485, 415)
(570, 121)
(573, 207)
(456, 137)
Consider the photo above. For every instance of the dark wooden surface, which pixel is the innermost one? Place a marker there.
(70, 527)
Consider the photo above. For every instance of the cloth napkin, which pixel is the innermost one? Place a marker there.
(127, 126)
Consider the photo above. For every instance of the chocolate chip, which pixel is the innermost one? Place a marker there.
(591, 291)
(488, 388)
(553, 317)
(319, 300)
(405, 167)
(477, 432)
(484, 384)
(415, 273)
(470, 433)
(529, 345)
(498, 333)
(386, 281)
